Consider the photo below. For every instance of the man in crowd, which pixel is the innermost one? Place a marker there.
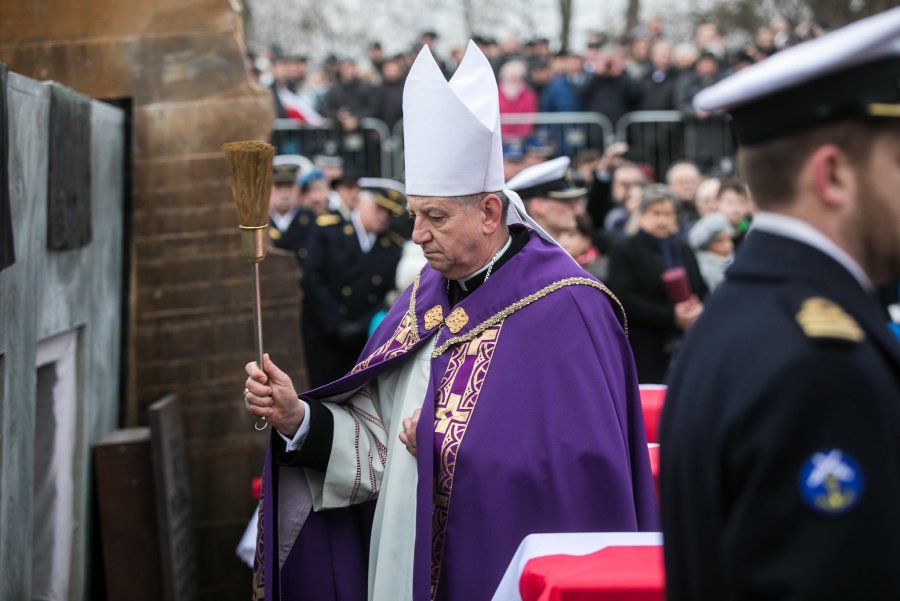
(292, 224)
(459, 347)
(682, 178)
(780, 433)
(551, 195)
(348, 94)
(314, 191)
(349, 271)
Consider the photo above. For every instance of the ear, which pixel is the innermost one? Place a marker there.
(492, 213)
(833, 176)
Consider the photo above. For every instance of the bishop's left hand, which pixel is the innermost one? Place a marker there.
(408, 435)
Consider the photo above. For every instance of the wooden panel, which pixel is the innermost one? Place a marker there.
(128, 515)
(173, 501)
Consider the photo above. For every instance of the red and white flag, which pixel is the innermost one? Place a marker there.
(296, 108)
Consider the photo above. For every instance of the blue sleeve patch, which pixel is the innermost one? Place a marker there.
(831, 482)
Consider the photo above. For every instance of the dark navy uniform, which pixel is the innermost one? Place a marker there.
(296, 237)
(344, 288)
(790, 370)
(780, 438)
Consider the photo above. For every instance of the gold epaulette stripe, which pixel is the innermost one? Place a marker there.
(501, 315)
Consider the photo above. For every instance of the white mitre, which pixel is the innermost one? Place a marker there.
(451, 130)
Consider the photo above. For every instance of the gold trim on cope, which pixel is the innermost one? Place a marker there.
(501, 315)
(457, 320)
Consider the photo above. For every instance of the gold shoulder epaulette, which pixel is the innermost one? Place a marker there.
(397, 238)
(821, 318)
(328, 219)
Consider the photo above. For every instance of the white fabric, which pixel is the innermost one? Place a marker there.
(570, 543)
(301, 161)
(366, 240)
(411, 263)
(391, 397)
(381, 182)
(712, 267)
(335, 203)
(866, 40)
(796, 229)
(294, 444)
(541, 173)
(283, 222)
(246, 549)
(54, 486)
(451, 130)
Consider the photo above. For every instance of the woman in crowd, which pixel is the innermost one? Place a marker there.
(636, 268)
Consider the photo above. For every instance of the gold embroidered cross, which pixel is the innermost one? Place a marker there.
(487, 335)
(402, 335)
(448, 413)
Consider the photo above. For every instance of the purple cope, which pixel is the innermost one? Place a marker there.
(538, 428)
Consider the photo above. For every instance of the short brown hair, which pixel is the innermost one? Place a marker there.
(732, 185)
(771, 168)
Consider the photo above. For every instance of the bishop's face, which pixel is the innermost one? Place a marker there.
(451, 234)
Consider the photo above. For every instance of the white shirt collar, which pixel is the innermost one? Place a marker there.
(366, 240)
(801, 231)
(283, 222)
(462, 281)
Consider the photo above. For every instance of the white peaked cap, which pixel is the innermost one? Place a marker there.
(451, 130)
(541, 173)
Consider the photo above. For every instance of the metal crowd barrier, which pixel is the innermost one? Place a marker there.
(366, 150)
(660, 138)
(657, 138)
(568, 133)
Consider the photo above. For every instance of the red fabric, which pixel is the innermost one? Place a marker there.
(654, 466)
(652, 401)
(256, 487)
(525, 102)
(677, 284)
(611, 574)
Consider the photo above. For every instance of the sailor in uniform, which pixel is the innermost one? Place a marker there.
(350, 270)
(780, 438)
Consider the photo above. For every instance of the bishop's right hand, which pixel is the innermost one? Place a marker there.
(270, 394)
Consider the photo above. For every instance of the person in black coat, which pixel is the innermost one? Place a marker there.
(348, 94)
(636, 267)
(610, 91)
(292, 225)
(780, 437)
(390, 93)
(349, 271)
(657, 87)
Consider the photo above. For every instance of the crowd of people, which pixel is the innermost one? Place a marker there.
(616, 223)
(624, 230)
(779, 431)
(644, 70)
